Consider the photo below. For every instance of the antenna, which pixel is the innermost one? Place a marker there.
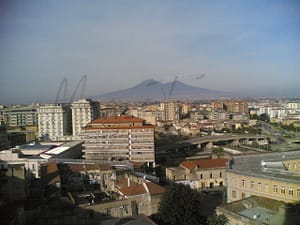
(64, 83)
(83, 79)
(173, 85)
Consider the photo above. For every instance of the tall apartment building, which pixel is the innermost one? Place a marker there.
(273, 175)
(170, 111)
(54, 121)
(231, 106)
(17, 116)
(83, 112)
(119, 138)
(236, 106)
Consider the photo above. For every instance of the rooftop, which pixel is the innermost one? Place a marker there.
(204, 163)
(259, 209)
(118, 119)
(255, 165)
(139, 189)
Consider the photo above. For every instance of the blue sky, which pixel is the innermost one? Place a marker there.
(248, 47)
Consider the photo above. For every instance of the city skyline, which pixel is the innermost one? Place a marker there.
(242, 47)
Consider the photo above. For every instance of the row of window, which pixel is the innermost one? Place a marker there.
(211, 175)
(283, 190)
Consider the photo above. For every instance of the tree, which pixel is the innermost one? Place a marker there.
(217, 220)
(181, 205)
(264, 117)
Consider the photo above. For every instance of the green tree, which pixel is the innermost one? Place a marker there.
(217, 220)
(181, 205)
(264, 117)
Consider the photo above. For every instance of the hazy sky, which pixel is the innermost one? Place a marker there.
(241, 46)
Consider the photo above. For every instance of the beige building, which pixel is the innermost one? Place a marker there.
(119, 138)
(272, 175)
(199, 174)
(146, 195)
(83, 112)
(170, 111)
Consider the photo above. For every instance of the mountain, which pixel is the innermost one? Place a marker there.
(155, 90)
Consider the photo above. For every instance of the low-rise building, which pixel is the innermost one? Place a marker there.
(147, 196)
(271, 175)
(259, 210)
(199, 174)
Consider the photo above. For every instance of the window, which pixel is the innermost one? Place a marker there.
(282, 190)
(259, 186)
(243, 195)
(233, 194)
(275, 189)
(201, 176)
(291, 192)
(298, 193)
(210, 175)
(243, 183)
(220, 174)
(266, 187)
(252, 184)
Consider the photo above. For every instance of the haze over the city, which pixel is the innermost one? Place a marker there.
(245, 47)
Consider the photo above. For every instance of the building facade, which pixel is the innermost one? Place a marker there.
(119, 138)
(170, 111)
(83, 112)
(273, 175)
(199, 174)
(17, 116)
(54, 121)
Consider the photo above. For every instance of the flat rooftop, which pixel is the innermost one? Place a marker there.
(251, 165)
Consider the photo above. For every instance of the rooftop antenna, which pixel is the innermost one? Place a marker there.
(83, 79)
(64, 83)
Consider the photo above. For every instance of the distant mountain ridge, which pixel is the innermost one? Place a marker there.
(155, 90)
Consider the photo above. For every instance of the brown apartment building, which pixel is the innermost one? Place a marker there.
(119, 138)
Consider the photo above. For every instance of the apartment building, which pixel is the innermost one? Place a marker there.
(16, 116)
(119, 138)
(273, 175)
(199, 174)
(83, 112)
(54, 121)
(170, 111)
(231, 106)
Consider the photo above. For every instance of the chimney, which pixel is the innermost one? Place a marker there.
(146, 187)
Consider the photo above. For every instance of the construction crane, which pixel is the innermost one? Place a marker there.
(64, 83)
(83, 79)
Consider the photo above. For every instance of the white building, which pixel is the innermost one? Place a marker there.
(54, 121)
(83, 112)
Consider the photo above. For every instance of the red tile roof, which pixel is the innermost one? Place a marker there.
(139, 189)
(204, 163)
(123, 182)
(118, 119)
(119, 127)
